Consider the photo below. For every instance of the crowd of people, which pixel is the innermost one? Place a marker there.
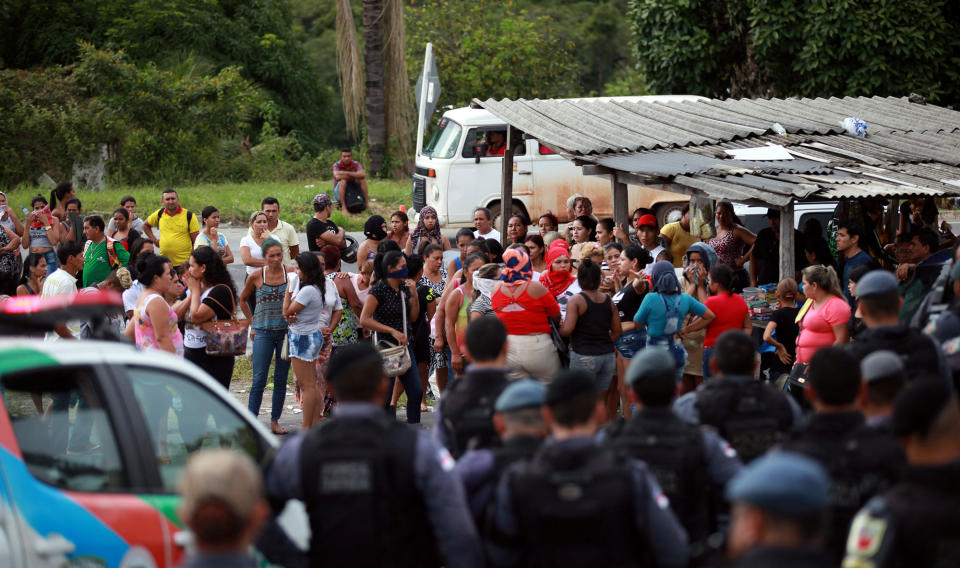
(575, 365)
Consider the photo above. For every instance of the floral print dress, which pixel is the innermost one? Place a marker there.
(437, 360)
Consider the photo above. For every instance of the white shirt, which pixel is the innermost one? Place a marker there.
(255, 251)
(131, 295)
(493, 234)
(647, 269)
(286, 234)
(60, 283)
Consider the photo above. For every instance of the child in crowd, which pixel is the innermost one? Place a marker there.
(781, 332)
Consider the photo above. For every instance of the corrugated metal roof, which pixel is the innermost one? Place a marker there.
(910, 149)
(595, 126)
(673, 162)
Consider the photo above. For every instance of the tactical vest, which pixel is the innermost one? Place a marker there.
(361, 497)
(750, 415)
(513, 450)
(861, 462)
(926, 518)
(467, 408)
(576, 508)
(675, 453)
(918, 350)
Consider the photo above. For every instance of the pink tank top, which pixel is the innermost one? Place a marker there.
(144, 333)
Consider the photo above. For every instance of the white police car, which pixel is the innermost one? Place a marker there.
(93, 435)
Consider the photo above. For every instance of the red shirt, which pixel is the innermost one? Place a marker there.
(730, 310)
(525, 315)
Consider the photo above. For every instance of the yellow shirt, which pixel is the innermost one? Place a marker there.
(680, 241)
(175, 242)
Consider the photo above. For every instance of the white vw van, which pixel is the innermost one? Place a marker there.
(458, 172)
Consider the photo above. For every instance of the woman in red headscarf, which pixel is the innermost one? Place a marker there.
(559, 277)
(525, 308)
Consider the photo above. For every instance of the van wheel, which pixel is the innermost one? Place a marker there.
(516, 210)
(669, 212)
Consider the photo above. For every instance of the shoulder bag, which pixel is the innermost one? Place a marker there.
(396, 358)
(228, 337)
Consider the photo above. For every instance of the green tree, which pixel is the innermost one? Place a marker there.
(161, 126)
(741, 48)
(253, 36)
(490, 49)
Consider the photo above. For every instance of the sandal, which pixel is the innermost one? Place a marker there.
(280, 431)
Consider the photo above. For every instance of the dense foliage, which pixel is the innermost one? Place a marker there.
(811, 48)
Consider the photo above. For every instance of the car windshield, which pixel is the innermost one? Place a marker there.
(445, 140)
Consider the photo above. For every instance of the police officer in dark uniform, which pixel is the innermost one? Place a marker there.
(378, 493)
(880, 306)
(576, 503)
(780, 507)
(861, 461)
(464, 420)
(884, 378)
(749, 414)
(519, 422)
(917, 522)
(686, 459)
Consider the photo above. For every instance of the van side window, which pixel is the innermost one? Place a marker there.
(543, 150)
(484, 138)
(74, 446)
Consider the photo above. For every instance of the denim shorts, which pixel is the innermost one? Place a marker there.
(632, 341)
(601, 367)
(305, 347)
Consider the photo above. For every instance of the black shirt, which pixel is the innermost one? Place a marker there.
(389, 310)
(766, 253)
(315, 228)
(628, 301)
(787, 328)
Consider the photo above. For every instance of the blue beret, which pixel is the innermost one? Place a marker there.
(876, 283)
(521, 394)
(653, 360)
(782, 482)
(881, 365)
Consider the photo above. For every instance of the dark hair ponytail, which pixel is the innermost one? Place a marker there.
(312, 271)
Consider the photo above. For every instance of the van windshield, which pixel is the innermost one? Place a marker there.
(445, 140)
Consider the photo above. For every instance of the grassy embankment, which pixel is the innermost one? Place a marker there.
(237, 200)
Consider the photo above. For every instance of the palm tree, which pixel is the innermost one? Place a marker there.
(383, 96)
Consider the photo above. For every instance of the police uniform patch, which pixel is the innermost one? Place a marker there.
(445, 460)
(866, 537)
(729, 451)
(662, 501)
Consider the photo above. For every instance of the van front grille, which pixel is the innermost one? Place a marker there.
(419, 193)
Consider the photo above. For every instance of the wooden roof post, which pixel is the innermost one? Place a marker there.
(621, 213)
(506, 187)
(787, 262)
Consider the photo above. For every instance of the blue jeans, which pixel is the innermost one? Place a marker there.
(267, 344)
(52, 265)
(601, 367)
(676, 349)
(707, 355)
(411, 385)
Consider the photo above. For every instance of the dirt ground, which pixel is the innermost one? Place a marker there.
(291, 416)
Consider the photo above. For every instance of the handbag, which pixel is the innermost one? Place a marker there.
(396, 358)
(226, 338)
(563, 350)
